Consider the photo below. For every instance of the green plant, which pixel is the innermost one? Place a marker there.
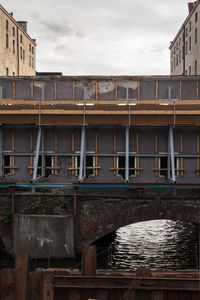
(7, 217)
(36, 206)
(64, 203)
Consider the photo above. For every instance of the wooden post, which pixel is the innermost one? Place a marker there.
(35, 283)
(13, 199)
(88, 260)
(21, 281)
(48, 285)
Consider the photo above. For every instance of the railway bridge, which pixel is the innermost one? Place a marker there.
(127, 132)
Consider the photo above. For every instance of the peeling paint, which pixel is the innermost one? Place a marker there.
(128, 84)
(106, 87)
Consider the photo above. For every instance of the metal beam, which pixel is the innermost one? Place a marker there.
(127, 154)
(82, 155)
(42, 154)
(37, 154)
(1, 152)
(1, 92)
(172, 159)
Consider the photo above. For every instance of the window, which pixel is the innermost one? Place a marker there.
(30, 47)
(23, 54)
(190, 70)
(121, 162)
(163, 166)
(174, 63)
(195, 68)
(190, 42)
(7, 25)
(179, 56)
(90, 165)
(7, 41)
(21, 39)
(49, 164)
(179, 41)
(195, 35)
(13, 73)
(13, 31)
(172, 66)
(186, 46)
(7, 72)
(32, 63)
(186, 72)
(14, 46)
(29, 60)
(186, 31)
(7, 164)
(196, 17)
(32, 50)
(190, 26)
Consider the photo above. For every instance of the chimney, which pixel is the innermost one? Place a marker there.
(191, 5)
(23, 25)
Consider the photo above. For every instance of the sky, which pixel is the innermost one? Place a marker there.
(101, 37)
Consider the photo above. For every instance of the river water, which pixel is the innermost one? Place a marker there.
(158, 245)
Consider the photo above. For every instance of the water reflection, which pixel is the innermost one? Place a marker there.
(159, 244)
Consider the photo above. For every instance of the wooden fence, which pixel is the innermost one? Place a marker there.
(61, 284)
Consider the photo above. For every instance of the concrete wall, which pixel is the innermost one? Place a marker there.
(44, 236)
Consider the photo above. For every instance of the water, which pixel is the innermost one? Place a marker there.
(158, 245)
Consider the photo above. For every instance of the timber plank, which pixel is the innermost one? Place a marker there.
(143, 295)
(21, 280)
(195, 295)
(35, 288)
(48, 285)
(7, 284)
(171, 295)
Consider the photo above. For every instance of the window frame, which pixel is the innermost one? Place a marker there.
(177, 164)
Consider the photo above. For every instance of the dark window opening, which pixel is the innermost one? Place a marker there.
(164, 165)
(48, 164)
(13, 31)
(195, 67)
(7, 41)
(122, 164)
(13, 46)
(7, 164)
(195, 35)
(21, 39)
(196, 17)
(6, 24)
(39, 168)
(89, 165)
(7, 72)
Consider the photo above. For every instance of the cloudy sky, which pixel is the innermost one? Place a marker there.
(113, 37)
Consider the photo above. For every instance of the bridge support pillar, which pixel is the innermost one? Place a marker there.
(171, 159)
(127, 155)
(37, 151)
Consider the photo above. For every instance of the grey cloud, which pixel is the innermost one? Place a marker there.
(61, 27)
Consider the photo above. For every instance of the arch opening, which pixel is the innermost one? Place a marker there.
(156, 244)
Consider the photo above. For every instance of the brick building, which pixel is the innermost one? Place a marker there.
(185, 48)
(17, 48)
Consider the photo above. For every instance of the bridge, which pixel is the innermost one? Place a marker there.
(116, 133)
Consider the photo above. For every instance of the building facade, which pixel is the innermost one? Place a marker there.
(17, 48)
(65, 130)
(185, 48)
